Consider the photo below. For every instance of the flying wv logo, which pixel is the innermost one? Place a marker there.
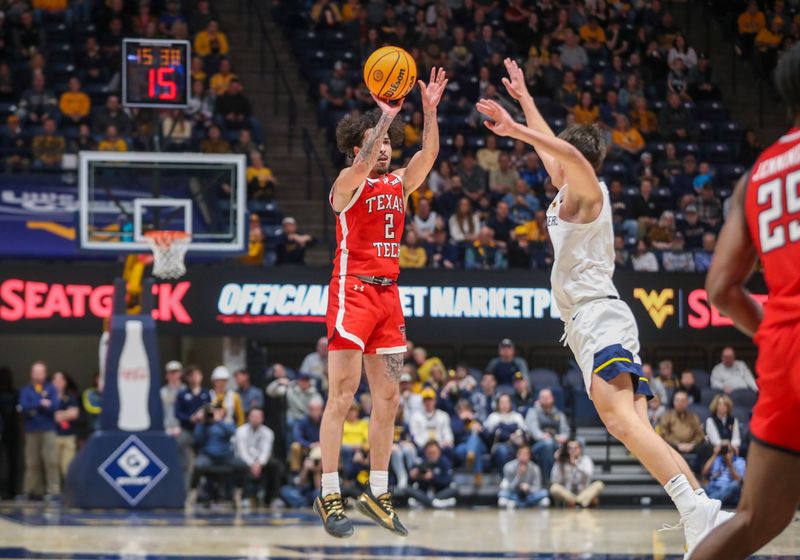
(657, 304)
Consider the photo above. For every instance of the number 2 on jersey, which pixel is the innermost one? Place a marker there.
(773, 236)
(389, 231)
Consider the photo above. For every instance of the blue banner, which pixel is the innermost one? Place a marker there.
(37, 217)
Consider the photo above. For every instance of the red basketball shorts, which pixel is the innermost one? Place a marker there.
(776, 416)
(365, 317)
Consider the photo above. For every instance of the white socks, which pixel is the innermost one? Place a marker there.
(700, 493)
(378, 482)
(682, 494)
(330, 483)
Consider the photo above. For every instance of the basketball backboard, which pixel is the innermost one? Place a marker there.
(124, 195)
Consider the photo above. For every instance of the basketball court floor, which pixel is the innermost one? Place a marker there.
(612, 534)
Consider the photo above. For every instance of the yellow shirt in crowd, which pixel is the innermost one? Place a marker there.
(645, 121)
(767, 39)
(587, 34)
(262, 175)
(50, 5)
(75, 103)
(349, 12)
(413, 135)
(530, 230)
(202, 43)
(118, 145)
(219, 82)
(412, 258)
(355, 434)
(586, 116)
(752, 24)
(630, 139)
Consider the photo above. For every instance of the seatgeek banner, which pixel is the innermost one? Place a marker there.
(289, 304)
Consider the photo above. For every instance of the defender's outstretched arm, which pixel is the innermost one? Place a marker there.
(515, 85)
(578, 172)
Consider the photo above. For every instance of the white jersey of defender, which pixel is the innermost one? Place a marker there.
(583, 268)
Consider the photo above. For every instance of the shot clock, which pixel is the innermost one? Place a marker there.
(155, 73)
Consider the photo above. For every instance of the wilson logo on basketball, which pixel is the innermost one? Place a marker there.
(396, 84)
(657, 304)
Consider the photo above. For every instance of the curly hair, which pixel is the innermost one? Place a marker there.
(588, 139)
(350, 131)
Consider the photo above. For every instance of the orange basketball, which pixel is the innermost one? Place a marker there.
(390, 73)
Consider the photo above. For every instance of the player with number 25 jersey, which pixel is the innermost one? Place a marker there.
(772, 210)
(764, 223)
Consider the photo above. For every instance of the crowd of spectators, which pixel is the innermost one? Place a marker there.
(625, 66)
(764, 30)
(504, 419)
(60, 84)
(60, 65)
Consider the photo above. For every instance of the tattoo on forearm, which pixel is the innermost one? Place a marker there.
(426, 130)
(394, 366)
(368, 152)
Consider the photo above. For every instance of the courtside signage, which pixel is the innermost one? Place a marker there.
(30, 300)
(264, 303)
(287, 305)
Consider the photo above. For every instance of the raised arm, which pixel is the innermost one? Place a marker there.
(731, 267)
(422, 162)
(352, 177)
(515, 85)
(578, 172)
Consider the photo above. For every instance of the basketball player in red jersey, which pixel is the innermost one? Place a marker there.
(764, 222)
(365, 318)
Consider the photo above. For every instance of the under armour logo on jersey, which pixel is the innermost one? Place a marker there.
(358, 288)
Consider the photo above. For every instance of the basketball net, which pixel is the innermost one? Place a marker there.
(169, 251)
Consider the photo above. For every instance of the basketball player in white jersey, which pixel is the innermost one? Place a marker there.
(598, 326)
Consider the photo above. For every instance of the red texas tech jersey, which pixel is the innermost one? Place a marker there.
(772, 207)
(370, 228)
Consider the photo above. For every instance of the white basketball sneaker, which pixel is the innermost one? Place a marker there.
(699, 522)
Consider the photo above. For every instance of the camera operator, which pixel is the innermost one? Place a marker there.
(572, 477)
(432, 479)
(725, 473)
(215, 452)
(522, 483)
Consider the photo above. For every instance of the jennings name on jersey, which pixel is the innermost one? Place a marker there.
(370, 228)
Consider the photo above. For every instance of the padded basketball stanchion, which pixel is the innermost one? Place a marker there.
(130, 462)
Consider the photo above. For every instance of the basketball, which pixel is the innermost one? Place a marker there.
(390, 73)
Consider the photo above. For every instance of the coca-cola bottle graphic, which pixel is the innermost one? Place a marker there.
(133, 381)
